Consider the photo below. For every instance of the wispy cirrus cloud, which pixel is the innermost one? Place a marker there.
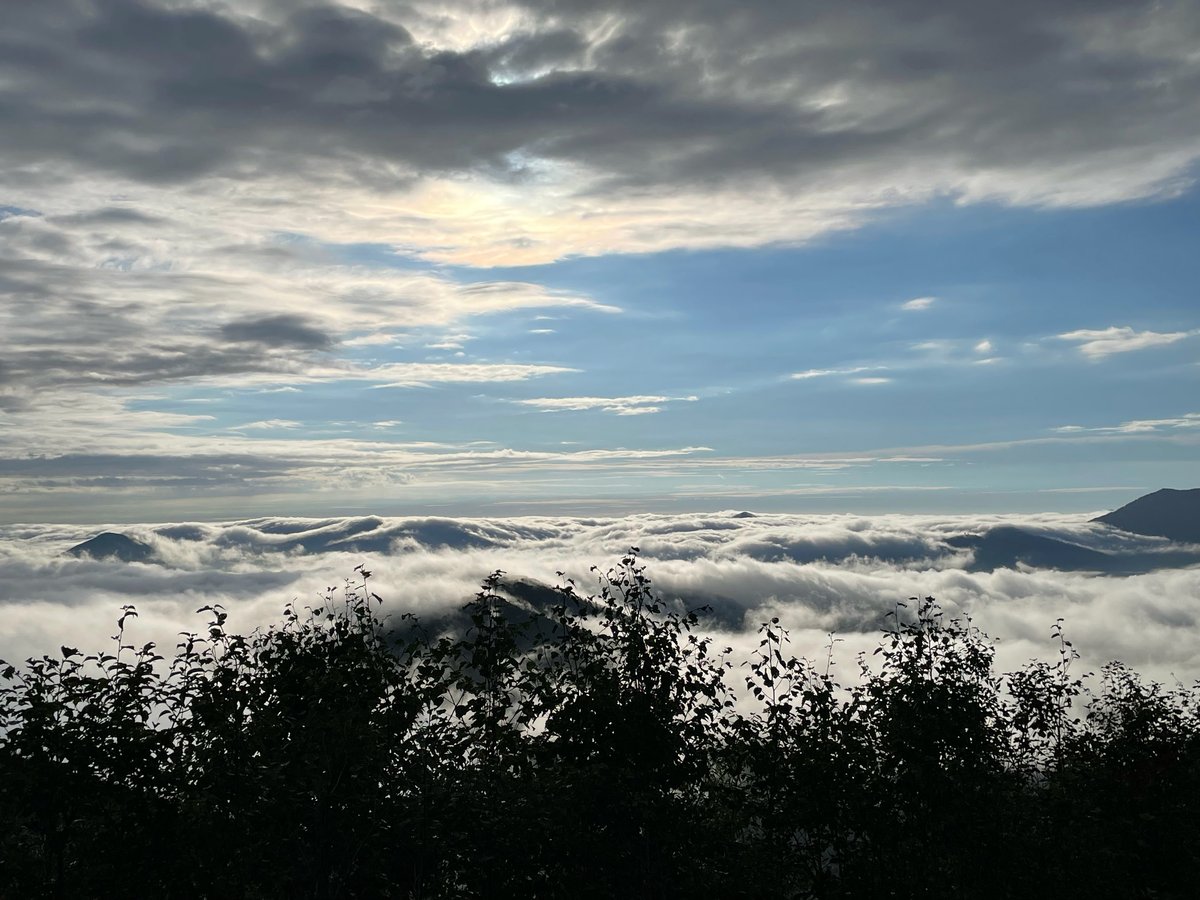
(927, 354)
(375, 339)
(1099, 343)
(636, 405)
(271, 424)
(408, 375)
(1138, 426)
(826, 373)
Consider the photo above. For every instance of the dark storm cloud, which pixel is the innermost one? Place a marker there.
(525, 52)
(164, 95)
(131, 366)
(278, 331)
(664, 92)
(980, 84)
(109, 215)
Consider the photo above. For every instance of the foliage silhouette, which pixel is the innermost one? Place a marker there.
(596, 748)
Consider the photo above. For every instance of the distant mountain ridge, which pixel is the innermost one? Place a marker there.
(1168, 513)
(1165, 515)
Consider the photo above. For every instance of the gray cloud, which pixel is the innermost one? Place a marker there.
(152, 363)
(278, 331)
(112, 297)
(197, 470)
(154, 153)
(663, 93)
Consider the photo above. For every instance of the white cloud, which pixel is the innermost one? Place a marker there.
(825, 373)
(450, 342)
(870, 381)
(1099, 343)
(421, 374)
(919, 303)
(636, 405)
(268, 424)
(376, 339)
(818, 573)
(1138, 426)
(984, 346)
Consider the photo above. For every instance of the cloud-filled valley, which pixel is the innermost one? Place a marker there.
(820, 574)
(824, 308)
(491, 258)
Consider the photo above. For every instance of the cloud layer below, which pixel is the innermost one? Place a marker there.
(820, 574)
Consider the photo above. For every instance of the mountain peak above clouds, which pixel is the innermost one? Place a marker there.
(1169, 513)
(111, 545)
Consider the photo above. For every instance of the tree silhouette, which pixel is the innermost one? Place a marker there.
(599, 746)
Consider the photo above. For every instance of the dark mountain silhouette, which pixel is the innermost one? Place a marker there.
(1168, 513)
(535, 596)
(111, 545)
(1006, 546)
(520, 601)
(527, 602)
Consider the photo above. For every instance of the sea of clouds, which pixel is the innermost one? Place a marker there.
(825, 574)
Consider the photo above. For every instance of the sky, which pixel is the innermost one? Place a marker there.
(566, 258)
